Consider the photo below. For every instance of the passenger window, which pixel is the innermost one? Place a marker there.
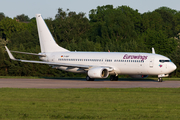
(161, 61)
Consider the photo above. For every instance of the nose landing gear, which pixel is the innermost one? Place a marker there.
(160, 80)
(160, 77)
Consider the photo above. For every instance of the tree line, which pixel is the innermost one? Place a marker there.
(120, 29)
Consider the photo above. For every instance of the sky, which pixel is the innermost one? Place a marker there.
(49, 8)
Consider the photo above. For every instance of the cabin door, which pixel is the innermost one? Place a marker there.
(151, 62)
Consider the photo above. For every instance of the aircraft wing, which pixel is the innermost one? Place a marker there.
(55, 63)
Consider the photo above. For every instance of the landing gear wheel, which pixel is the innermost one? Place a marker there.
(89, 79)
(116, 78)
(113, 78)
(160, 80)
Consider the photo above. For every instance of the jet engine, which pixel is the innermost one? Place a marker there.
(98, 72)
(138, 76)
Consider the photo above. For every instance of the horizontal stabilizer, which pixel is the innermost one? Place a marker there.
(10, 55)
(29, 53)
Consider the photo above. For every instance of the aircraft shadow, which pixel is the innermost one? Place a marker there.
(107, 79)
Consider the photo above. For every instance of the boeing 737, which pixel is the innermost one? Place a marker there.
(97, 64)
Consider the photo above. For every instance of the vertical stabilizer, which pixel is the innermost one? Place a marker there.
(47, 42)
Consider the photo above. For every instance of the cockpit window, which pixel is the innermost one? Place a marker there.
(164, 61)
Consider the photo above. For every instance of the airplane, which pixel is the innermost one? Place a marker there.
(97, 64)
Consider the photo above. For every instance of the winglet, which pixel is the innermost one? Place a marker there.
(153, 51)
(9, 53)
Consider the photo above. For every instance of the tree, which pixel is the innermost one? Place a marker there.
(160, 41)
(134, 16)
(22, 18)
(8, 26)
(167, 15)
(176, 20)
(152, 20)
(2, 16)
(61, 14)
(111, 26)
(69, 26)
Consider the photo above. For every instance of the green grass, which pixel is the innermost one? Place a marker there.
(106, 103)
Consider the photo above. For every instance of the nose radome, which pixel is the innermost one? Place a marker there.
(175, 67)
(172, 67)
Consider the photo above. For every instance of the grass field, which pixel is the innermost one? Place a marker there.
(106, 103)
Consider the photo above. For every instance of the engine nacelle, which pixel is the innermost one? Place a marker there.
(98, 72)
(138, 76)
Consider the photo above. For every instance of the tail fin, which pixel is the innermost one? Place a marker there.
(46, 40)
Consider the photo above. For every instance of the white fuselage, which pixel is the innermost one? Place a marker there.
(122, 62)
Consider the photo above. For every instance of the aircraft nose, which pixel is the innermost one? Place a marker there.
(175, 67)
(172, 67)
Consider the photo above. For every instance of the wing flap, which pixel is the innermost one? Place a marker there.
(28, 53)
(10, 55)
(58, 64)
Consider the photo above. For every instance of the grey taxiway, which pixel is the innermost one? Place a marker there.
(81, 83)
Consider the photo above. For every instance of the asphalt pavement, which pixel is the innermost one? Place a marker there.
(82, 83)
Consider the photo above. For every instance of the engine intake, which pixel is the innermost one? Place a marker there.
(98, 72)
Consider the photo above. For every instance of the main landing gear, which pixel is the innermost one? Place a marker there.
(113, 78)
(89, 79)
(160, 80)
